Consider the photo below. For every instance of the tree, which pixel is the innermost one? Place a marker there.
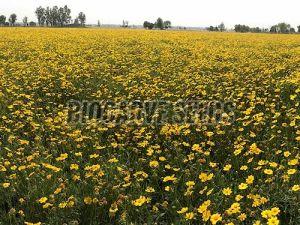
(284, 28)
(40, 13)
(2, 20)
(148, 25)
(25, 21)
(76, 22)
(99, 24)
(167, 24)
(298, 29)
(32, 24)
(63, 16)
(125, 23)
(292, 30)
(274, 29)
(54, 16)
(237, 28)
(222, 27)
(60, 16)
(241, 28)
(159, 23)
(256, 30)
(67, 15)
(212, 28)
(82, 18)
(48, 16)
(265, 30)
(13, 19)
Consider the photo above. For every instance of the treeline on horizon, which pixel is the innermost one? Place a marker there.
(280, 28)
(50, 16)
(283, 28)
(61, 17)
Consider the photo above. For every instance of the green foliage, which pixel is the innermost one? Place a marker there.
(81, 18)
(55, 16)
(167, 24)
(241, 28)
(13, 19)
(222, 27)
(159, 23)
(148, 25)
(2, 20)
(212, 28)
(41, 15)
(282, 28)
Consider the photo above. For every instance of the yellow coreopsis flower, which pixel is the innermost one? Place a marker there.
(170, 178)
(291, 171)
(43, 200)
(227, 167)
(243, 186)
(267, 214)
(74, 167)
(250, 179)
(204, 206)
(242, 217)
(62, 157)
(273, 221)
(150, 189)
(190, 183)
(88, 200)
(275, 211)
(141, 201)
(268, 171)
(205, 177)
(197, 148)
(183, 210)
(206, 215)
(227, 191)
(296, 188)
(5, 185)
(62, 205)
(154, 164)
(215, 218)
(189, 216)
(47, 205)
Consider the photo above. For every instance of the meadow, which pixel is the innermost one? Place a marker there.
(240, 171)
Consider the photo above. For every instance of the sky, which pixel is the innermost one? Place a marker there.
(191, 13)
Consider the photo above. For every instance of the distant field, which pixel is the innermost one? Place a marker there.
(238, 163)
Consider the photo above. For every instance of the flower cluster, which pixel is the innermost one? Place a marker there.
(241, 171)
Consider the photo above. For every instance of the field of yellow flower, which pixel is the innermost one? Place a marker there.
(56, 171)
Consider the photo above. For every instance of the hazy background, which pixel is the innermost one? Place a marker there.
(197, 13)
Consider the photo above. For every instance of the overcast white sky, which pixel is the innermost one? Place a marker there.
(199, 13)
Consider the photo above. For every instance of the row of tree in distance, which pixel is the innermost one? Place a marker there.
(280, 28)
(50, 16)
(220, 27)
(11, 20)
(159, 24)
(58, 16)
